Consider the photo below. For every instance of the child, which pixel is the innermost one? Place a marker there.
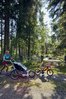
(6, 57)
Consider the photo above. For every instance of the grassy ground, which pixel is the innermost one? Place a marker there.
(36, 88)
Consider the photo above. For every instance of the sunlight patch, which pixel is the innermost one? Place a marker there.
(6, 86)
(1, 94)
(15, 87)
(64, 79)
(26, 96)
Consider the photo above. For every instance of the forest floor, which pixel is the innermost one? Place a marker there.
(38, 88)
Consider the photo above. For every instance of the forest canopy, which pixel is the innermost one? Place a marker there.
(24, 32)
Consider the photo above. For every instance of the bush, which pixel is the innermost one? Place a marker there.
(31, 64)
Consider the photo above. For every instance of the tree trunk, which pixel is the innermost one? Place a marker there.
(29, 47)
(46, 48)
(1, 36)
(6, 35)
(42, 53)
(16, 51)
(11, 36)
(20, 54)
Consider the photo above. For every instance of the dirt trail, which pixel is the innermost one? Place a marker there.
(54, 88)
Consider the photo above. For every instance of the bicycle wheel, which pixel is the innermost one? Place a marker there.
(14, 75)
(3, 69)
(38, 72)
(50, 72)
(31, 74)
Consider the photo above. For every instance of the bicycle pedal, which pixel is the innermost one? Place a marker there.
(41, 74)
(24, 75)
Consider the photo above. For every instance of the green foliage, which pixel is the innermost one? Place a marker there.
(28, 31)
(26, 24)
(58, 13)
(30, 37)
(63, 69)
(31, 64)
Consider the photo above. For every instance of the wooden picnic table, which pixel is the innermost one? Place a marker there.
(51, 60)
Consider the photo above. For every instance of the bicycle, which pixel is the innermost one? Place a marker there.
(47, 68)
(5, 67)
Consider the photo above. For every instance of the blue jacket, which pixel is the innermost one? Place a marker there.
(6, 57)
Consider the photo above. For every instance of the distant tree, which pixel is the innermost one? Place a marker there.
(57, 9)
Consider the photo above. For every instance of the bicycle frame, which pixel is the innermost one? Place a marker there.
(43, 68)
(46, 68)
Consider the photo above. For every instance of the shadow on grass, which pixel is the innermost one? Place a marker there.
(62, 69)
(20, 89)
(43, 97)
(13, 89)
(60, 86)
(59, 91)
(16, 89)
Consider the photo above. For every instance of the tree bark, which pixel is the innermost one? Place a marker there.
(1, 36)
(6, 34)
(29, 46)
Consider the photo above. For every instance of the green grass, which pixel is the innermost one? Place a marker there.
(55, 70)
(63, 69)
(60, 85)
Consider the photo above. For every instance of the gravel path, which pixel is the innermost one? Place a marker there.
(52, 88)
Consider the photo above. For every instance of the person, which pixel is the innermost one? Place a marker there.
(65, 58)
(6, 57)
(43, 65)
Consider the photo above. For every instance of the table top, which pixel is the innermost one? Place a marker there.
(51, 60)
